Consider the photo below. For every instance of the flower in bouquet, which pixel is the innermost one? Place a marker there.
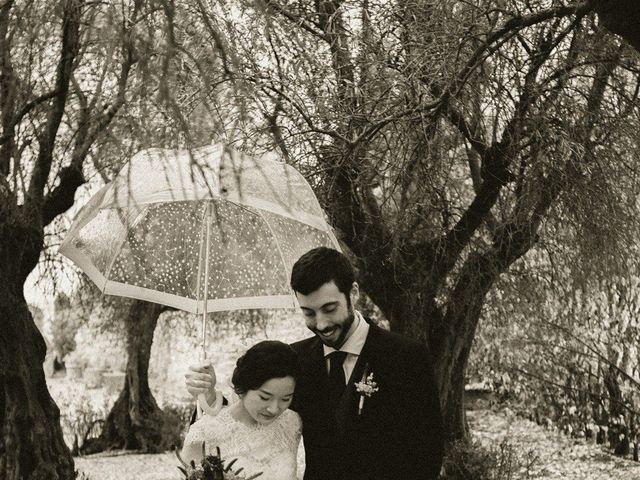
(212, 467)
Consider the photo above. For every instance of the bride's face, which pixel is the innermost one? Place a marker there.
(273, 397)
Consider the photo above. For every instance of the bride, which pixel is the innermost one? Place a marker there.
(258, 429)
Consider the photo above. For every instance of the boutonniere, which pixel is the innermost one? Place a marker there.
(366, 387)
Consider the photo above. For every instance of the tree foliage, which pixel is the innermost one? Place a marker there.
(444, 140)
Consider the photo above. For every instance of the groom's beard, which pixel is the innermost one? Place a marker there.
(344, 327)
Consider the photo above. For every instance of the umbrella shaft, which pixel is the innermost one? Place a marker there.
(207, 241)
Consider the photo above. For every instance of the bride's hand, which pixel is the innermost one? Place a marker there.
(201, 380)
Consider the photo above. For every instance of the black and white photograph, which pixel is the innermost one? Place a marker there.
(319, 240)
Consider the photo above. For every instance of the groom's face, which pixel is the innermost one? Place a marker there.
(329, 313)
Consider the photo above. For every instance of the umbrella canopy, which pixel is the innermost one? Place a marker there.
(204, 230)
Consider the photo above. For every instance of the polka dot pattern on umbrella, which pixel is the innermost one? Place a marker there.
(144, 234)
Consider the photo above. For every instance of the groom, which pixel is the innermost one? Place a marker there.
(367, 398)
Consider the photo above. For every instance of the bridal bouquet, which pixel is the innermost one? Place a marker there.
(211, 467)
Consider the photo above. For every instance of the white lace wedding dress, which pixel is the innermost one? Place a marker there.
(271, 449)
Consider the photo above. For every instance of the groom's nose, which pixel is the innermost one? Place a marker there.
(322, 322)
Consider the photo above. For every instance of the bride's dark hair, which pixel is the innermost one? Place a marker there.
(262, 362)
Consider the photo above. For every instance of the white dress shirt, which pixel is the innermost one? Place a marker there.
(352, 346)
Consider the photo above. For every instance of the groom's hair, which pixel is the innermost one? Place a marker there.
(262, 362)
(319, 266)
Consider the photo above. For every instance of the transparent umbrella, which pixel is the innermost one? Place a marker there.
(204, 230)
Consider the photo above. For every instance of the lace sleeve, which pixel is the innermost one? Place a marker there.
(293, 427)
(204, 430)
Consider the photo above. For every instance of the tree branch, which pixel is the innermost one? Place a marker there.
(471, 135)
(494, 170)
(508, 29)
(311, 27)
(554, 184)
(217, 38)
(72, 11)
(307, 119)
(61, 198)
(24, 111)
(276, 131)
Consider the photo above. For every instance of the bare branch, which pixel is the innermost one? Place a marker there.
(71, 177)
(217, 38)
(509, 29)
(24, 111)
(272, 121)
(471, 135)
(300, 110)
(72, 11)
(495, 168)
(311, 27)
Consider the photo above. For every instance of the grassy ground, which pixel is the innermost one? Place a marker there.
(547, 454)
(543, 454)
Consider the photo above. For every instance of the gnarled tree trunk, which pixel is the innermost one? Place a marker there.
(32, 446)
(135, 421)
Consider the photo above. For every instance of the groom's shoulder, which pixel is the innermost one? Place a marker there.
(399, 345)
(303, 345)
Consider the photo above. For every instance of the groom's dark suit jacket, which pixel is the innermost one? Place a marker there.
(399, 433)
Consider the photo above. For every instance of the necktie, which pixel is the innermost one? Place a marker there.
(337, 379)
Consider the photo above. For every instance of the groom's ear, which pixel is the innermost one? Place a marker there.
(354, 294)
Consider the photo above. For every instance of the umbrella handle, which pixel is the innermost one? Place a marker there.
(204, 407)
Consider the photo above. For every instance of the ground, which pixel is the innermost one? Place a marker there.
(550, 455)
